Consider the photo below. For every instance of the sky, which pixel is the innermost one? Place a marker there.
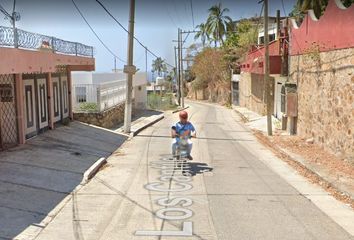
(156, 23)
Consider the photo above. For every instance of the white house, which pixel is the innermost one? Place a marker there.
(107, 89)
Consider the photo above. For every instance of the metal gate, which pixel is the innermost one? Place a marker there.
(235, 93)
(8, 119)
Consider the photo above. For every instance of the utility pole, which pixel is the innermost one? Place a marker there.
(177, 76)
(130, 70)
(180, 43)
(115, 64)
(179, 67)
(146, 64)
(266, 72)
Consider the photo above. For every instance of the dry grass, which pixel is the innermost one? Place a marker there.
(311, 153)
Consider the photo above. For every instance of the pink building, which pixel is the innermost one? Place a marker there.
(35, 82)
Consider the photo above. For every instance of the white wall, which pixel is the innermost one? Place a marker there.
(81, 78)
(140, 78)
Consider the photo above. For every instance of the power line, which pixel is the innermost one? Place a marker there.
(192, 13)
(2, 9)
(169, 14)
(141, 44)
(282, 3)
(93, 31)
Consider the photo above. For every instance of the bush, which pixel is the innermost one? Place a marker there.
(161, 102)
(88, 107)
(212, 73)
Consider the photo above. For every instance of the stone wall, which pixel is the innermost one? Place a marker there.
(252, 92)
(107, 119)
(326, 98)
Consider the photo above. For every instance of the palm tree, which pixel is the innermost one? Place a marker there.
(217, 23)
(159, 66)
(202, 33)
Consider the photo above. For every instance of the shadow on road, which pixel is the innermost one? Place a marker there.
(198, 138)
(199, 168)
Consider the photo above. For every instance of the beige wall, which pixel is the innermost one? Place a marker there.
(326, 99)
(140, 96)
(252, 92)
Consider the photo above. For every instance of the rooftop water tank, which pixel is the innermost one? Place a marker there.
(160, 80)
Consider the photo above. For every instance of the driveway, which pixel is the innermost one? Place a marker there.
(37, 176)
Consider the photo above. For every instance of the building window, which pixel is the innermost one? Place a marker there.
(6, 93)
(80, 94)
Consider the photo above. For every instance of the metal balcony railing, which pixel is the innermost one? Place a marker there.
(34, 41)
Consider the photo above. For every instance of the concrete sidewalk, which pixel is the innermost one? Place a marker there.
(37, 179)
(344, 184)
(37, 176)
(141, 122)
(256, 121)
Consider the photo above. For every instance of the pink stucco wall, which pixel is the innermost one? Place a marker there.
(334, 30)
(254, 62)
(14, 61)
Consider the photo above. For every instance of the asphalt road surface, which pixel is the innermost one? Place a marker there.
(231, 193)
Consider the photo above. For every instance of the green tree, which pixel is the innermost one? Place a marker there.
(169, 79)
(244, 37)
(202, 33)
(159, 66)
(218, 24)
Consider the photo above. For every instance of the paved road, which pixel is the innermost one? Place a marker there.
(233, 193)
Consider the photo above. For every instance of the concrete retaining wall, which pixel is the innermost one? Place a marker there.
(107, 119)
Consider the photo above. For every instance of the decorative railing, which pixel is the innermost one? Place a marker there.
(98, 97)
(27, 40)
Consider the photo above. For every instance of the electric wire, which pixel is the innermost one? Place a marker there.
(192, 13)
(282, 3)
(169, 15)
(126, 30)
(93, 31)
(2, 9)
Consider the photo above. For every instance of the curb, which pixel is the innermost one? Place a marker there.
(137, 131)
(181, 109)
(91, 172)
(311, 169)
(243, 117)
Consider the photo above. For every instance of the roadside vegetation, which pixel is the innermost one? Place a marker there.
(161, 102)
(223, 46)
